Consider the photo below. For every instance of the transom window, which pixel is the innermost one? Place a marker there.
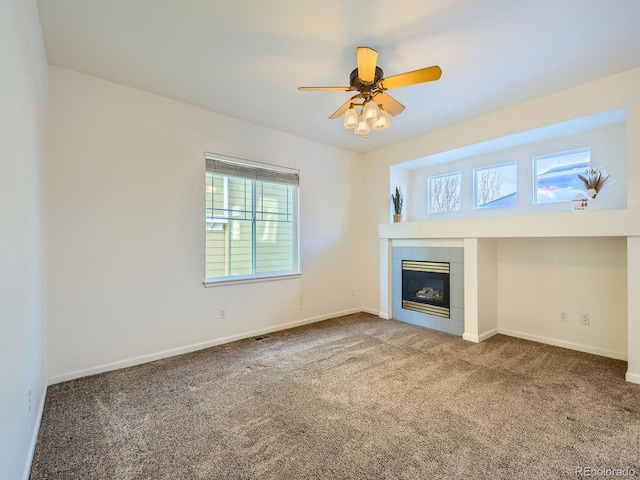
(556, 175)
(251, 220)
(444, 193)
(495, 186)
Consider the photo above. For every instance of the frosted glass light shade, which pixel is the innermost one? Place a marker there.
(383, 120)
(371, 112)
(351, 118)
(363, 127)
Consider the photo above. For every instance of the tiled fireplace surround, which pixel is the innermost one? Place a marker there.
(455, 256)
(475, 238)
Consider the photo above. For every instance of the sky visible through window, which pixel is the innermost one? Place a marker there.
(556, 175)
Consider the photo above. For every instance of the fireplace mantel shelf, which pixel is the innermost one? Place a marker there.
(600, 223)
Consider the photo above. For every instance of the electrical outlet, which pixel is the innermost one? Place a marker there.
(29, 399)
(353, 293)
(563, 316)
(584, 319)
(223, 313)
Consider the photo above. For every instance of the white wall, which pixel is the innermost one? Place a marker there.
(606, 94)
(23, 124)
(126, 237)
(488, 292)
(538, 278)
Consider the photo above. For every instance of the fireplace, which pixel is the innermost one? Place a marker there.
(425, 287)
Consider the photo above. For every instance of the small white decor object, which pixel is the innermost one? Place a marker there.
(579, 203)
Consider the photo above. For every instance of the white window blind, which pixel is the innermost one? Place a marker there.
(237, 169)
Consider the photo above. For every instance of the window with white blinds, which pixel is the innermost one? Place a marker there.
(251, 220)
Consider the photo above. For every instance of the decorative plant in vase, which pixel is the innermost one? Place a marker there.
(398, 200)
(595, 179)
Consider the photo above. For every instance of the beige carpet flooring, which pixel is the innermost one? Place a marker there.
(355, 397)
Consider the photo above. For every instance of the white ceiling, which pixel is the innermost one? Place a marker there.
(246, 58)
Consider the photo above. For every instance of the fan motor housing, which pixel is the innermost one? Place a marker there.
(356, 83)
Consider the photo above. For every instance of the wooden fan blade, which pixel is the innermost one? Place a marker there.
(344, 107)
(323, 89)
(428, 74)
(367, 58)
(390, 104)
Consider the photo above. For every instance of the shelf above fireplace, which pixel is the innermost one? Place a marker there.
(605, 223)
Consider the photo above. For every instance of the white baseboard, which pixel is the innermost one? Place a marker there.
(479, 338)
(34, 435)
(471, 338)
(489, 334)
(107, 367)
(632, 377)
(564, 344)
(370, 310)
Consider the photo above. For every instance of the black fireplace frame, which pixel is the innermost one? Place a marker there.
(439, 271)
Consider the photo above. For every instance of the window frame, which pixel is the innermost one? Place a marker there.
(430, 211)
(534, 162)
(258, 167)
(477, 170)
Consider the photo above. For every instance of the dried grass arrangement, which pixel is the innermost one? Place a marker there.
(595, 179)
(398, 200)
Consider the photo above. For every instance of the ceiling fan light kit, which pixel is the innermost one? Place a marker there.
(368, 79)
(351, 117)
(363, 127)
(370, 111)
(383, 120)
(371, 116)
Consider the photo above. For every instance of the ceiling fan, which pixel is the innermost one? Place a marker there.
(374, 103)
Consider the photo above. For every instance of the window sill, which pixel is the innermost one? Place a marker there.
(251, 279)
